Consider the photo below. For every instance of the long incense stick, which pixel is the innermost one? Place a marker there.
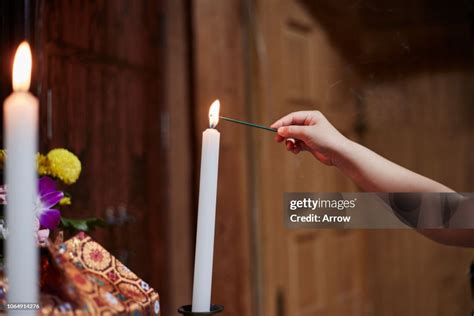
(248, 124)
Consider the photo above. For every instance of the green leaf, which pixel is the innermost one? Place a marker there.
(86, 224)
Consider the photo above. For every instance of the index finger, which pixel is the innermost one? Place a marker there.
(295, 118)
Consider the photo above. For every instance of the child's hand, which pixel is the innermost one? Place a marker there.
(313, 133)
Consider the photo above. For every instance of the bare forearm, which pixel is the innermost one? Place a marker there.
(367, 169)
(373, 172)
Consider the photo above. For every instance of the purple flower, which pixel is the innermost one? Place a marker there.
(48, 197)
(3, 194)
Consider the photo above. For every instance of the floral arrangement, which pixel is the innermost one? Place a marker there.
(58, 166)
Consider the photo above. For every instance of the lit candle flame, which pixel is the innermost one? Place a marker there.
(214, 114)
(22, 68)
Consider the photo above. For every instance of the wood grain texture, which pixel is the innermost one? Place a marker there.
(308, 271)
(396, 76)
(131, 83)
(219, 73)
(178, 141)
(104, 74)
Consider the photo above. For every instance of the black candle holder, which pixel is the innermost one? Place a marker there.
(187, 310)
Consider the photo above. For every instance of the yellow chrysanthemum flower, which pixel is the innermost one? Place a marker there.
(42, 165)
(65, 201)
(3, 158)
(64, 165)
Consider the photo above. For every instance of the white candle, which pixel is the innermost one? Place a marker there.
(20, 123)
(206, 214)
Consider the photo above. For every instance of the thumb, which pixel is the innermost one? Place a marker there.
(294, 131)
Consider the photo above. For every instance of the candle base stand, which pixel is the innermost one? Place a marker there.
(187, 310)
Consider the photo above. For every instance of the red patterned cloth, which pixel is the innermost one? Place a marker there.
(80, 277)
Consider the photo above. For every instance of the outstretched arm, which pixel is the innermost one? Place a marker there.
(370, 171)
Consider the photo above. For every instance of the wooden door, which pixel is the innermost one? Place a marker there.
(418, 111)
(304, 272)
(349, 61)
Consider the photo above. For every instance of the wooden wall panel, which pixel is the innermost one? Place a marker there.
(219, 73)
(431, 116)
(114, 85)
(395, 75)
(415, 65)
(304, 272)
(103, 83)
(179, 139)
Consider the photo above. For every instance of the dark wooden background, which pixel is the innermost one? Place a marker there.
(103, 98)
(99, 75)
(126, 85)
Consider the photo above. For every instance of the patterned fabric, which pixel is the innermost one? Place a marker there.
(80, 277)
(97, 283)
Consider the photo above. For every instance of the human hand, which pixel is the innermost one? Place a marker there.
(312, 132)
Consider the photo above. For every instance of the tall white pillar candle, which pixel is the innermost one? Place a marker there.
(206, 214)
(21, 130)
